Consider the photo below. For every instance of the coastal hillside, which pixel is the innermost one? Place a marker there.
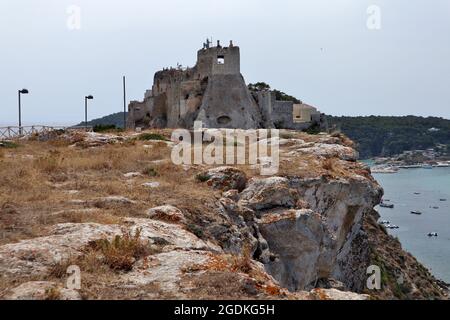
(115, 119)
(140, 227)
(375, 136)
(378, 136)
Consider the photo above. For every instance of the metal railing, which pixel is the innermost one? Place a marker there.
(13, 132)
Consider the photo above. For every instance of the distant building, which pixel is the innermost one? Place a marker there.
(304, 113)
(214, 92)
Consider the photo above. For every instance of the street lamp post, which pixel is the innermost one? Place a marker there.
(124, 104)
(89, 97)
(23, 91)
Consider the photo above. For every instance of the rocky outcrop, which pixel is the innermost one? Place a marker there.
(307, 231)
(303, 246)
(229, 233)
(65, 241)
(306, 226)
(326, 151)
(224, 178)
(268, 193)
(41, 290)
(166, 213)
(403, 277)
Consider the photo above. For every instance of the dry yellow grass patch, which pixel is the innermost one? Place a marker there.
(39, 179)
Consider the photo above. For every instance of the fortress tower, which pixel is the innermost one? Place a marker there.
(227, 102)
(218, 60)
(213, 92)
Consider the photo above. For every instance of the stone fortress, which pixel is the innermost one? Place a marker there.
(214, 92)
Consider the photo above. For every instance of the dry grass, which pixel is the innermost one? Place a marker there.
(243, 262)
(36, 179)
(345, 141)
(105, 255)
(122, 252)
(36, 184)
(102, 261)
(53, 293)
(223, 285)
(336, 168)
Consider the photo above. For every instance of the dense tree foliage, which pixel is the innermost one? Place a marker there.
(279, 95)
(115, 119)
(388, 136)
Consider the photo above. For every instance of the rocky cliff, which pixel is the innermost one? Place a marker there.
(139, 227)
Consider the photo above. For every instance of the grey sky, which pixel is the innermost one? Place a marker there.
(318, 50)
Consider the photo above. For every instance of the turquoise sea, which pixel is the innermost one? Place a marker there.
(432, 185)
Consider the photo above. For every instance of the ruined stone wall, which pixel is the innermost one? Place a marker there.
(208, 61)
(266, 100)
(227, 103)
(282, 114)
(138, 113)
(214, 92)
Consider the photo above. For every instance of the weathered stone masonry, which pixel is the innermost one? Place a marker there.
(214, 92)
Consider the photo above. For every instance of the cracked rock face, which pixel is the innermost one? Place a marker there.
(268, 193)
(303, 246)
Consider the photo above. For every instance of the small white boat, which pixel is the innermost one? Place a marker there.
(381, 169)
(417, 166)
(392, 226)
(442, 165)
(433, 234)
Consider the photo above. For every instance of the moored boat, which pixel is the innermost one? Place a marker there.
(382, 169)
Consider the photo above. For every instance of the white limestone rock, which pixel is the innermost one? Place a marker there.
(151, 185)
(37, 256)
(303, 246)
(326, 151)
(268, 193)
(130, 175)
(41, 290)
(166, 213)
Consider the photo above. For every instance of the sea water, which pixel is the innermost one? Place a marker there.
(432, 185)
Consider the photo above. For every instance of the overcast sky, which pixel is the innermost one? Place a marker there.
(321, 51)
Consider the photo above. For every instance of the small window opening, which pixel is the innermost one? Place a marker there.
(220, 59)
